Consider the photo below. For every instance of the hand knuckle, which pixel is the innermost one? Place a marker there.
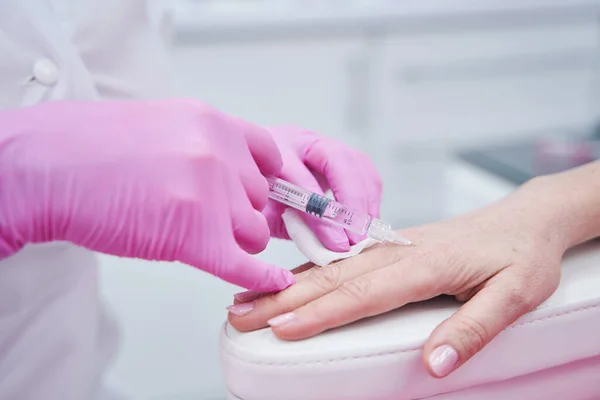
(207, 162)
(327, 278)
(356, 289)
(553, 278)
(472, 334)
(520, 299)
(199, 106)
(211, 120)
(191, 107)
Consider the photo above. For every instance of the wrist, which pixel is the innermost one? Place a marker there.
(547, 207)
(15, 206)
(535, 213)
(568, 203)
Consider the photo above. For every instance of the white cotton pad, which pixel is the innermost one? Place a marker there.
(308, 243)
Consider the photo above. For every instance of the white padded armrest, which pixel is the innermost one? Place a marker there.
(380, 358)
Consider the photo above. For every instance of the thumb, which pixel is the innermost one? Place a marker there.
(499, 303)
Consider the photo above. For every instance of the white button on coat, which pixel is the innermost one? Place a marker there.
(45, 71)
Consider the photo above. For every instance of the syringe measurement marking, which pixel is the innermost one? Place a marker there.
(287, 192)
(278, 188)
(343, 211)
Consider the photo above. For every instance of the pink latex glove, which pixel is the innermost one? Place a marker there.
(350, 174)
(168, 180)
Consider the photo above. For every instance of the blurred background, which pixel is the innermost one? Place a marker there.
(456, 101)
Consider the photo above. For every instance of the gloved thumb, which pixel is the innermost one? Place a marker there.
(496, 306)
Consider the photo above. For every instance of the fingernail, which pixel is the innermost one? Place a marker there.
(241, 309)
(282, 319)
(442, 360)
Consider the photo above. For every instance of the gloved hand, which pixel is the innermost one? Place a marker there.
(352, 177)
(168, 180)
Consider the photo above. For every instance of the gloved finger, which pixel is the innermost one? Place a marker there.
(223, 257)
(250, 227)
(249, 296)
(332, 237)
(255, 185)
(373, 293)
(499, 303)
(256, 275)
(231, 263)
(350, 178)
(263, 148)
(272, 213)
(252, 233)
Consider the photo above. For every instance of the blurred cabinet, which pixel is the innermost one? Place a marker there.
(438, 91)
(482, 82)
(318, 83)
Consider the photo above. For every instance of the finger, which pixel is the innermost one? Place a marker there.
(218, 252)
(256, 275)
(246, 296)
(263, 148)
(456, 340)
(251, 231)
(312, 284)
(263, 158)
(332, 237)
(249, 295)
(272, 213)
(374, 293)
(240, 150)
(250, 227)
(255, 185)
(353, 180)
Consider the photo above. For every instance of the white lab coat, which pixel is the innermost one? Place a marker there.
(56, 337)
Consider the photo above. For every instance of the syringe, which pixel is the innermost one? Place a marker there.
(333, 212)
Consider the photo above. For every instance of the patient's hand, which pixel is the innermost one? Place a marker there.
(503, 261)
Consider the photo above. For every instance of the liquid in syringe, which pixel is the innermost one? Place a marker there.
(333, 212)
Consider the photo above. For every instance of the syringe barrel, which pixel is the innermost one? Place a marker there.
(318, 205)
(333, 212)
